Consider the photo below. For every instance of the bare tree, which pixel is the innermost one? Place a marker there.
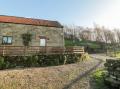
(85, 35)
(117, 33)
(68, 32)
(110, 39)
(99, 33)
(114, 41)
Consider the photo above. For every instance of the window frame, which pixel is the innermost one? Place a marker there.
(45, 41)
(45, 38)
(7, 43)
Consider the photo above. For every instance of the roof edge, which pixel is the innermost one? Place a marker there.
(38, 22)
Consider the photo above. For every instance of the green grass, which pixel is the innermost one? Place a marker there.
(97, 79)
(91, 44)
(71, 43)
(116, 54)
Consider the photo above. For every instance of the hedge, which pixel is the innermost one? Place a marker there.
(7, 62)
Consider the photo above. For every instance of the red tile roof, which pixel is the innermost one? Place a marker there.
(29, 21)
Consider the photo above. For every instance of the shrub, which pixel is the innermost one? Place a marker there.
(27, 37)
(10, 61)
(39, 60)
(113, 73)
(72, 58)
(83, 57)
(2, 63)
(97, 79)
(30, 61)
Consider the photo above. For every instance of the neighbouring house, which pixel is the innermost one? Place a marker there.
(15, 31)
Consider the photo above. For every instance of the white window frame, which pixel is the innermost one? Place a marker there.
(43, 42)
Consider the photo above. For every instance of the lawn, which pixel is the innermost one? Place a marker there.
(91, 44)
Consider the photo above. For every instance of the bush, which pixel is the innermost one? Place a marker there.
(40, 60)
(30, 61)
(27, 37)
(2, 63)
(5, 64)
(97, 79)
(83, 57)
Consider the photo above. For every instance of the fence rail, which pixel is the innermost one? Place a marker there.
(21, 50)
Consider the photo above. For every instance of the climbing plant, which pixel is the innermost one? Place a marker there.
(27, 37)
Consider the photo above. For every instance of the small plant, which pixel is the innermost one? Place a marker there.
(27, 37)
(97, 80)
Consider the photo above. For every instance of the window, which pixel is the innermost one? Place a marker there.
(42, 42)
(7, 40)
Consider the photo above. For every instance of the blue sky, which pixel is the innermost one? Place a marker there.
(77, 12)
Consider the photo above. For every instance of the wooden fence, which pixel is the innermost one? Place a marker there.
(21, 50)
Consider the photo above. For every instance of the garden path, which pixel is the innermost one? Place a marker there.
(82, 81)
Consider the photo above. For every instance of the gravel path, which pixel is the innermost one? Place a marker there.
(82, 81)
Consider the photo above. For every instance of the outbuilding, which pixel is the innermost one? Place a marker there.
(17, 33)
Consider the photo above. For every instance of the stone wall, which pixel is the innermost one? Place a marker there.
(54, 35)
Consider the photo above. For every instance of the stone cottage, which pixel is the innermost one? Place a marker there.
(44, 33)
